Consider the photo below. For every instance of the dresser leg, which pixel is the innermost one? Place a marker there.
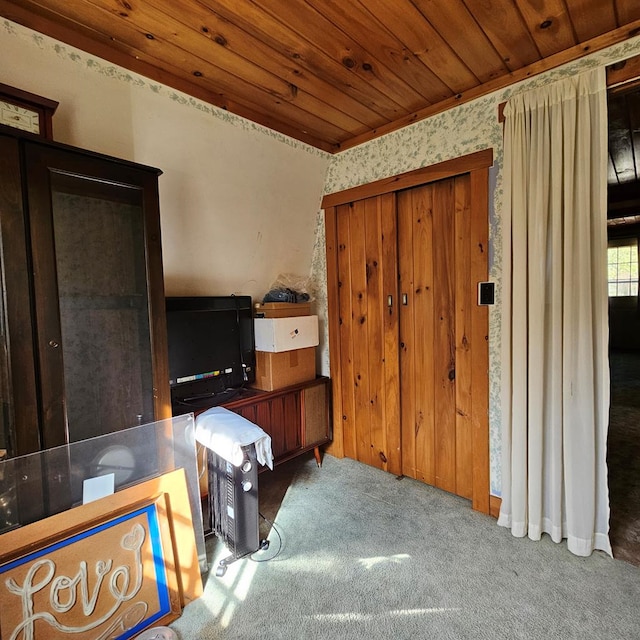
(316, 453)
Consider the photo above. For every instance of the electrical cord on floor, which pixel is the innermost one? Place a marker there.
(277, 553)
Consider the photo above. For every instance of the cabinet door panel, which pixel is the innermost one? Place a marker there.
(444, 264)
(249, 412)
(271, 417)
(360, 335)
(465, 302)
(104, 317)
(292, 421)
(345, 314)
(95, 338)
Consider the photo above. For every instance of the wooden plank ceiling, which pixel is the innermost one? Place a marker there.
(333, 73)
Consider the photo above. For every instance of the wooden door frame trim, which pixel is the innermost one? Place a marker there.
(480, 435)
(336, 447)
(477, 164)
(424, 175)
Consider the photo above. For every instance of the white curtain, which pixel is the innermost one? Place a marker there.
(555, 369)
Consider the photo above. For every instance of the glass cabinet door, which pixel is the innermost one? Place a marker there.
(89, 223)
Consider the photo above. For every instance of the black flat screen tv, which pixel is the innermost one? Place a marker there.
(211, 348)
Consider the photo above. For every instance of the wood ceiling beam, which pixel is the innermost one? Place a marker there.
(308, 23)
(412, 47)
(505, 27)
(590, 17)
(452, 20)
(549, 24)
(627, 11)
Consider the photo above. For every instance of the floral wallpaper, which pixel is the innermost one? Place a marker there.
(457, 132)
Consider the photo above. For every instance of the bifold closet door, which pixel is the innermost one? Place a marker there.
(368, 326)
(408, 339)
(443, 346)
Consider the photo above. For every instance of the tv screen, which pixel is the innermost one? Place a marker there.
(211, 347)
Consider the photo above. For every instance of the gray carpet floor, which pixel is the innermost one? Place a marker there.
(363, 555)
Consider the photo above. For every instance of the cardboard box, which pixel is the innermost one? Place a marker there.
(281, 309)
(279, 370)
(285, 334)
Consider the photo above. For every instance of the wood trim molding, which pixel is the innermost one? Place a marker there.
(494, 506)
(471, 162)
(336, 446)
(480, 336)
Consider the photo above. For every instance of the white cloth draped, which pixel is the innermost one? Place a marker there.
(225, 433)
(555, 369)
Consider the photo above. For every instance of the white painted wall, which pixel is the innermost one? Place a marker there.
(238, 202)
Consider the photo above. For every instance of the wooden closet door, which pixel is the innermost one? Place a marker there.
(441, 259)
(422, 238)
(368, 326)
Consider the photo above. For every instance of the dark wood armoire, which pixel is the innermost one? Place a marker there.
(83, 333)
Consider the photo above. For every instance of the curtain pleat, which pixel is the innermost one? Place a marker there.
(555, 371)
